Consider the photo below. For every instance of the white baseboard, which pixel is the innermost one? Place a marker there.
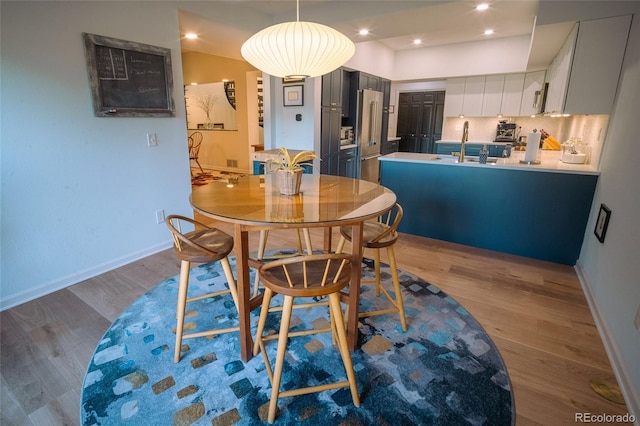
(75, 278)
(630, 393)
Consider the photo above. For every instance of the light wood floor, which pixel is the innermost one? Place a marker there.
(534, 311)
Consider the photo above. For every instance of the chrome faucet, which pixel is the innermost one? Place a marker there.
(465, 138)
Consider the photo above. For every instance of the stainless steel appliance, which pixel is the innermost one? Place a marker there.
(346, 135)
(369, 133)
(506, 132)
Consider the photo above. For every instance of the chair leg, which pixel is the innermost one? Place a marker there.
(336, 313)
(307, 240)
(262, 244)
(396, 286)
(198, 163)
(264, 311)
(226, 266)
(282, 348)
(180, 307)
(299, 240)
(341, 243)
(376, 268)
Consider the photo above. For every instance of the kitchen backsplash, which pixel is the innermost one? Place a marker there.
(591, 128)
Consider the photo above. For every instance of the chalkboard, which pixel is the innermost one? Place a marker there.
(129, 79)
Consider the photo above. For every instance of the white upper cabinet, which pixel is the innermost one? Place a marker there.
(502, 95)
(454, 97)
(492, 102)
(512, 94)
(473, 96)
(464, 96)
(597, 62)
(583, 77)
(532, 93)
(558, 74)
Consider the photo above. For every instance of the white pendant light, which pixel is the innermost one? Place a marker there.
(297, 49)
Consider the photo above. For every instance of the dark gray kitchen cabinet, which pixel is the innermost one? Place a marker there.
(332, 89)
(331, 119)
(348, 163)
(368, 81)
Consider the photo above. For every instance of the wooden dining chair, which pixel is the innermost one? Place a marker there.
(194, 142)
(383, 233)
(317, 276)
(201, 245)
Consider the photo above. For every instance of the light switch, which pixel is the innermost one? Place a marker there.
(152, 139)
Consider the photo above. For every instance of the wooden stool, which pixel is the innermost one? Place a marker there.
(202, 245)
(316, 275)
(377, 235)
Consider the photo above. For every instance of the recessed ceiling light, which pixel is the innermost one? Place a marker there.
(194, 84)
(225, 80)
(191, 36)
(482, 6)
(417, 41)
(488, 32)
(363, 31)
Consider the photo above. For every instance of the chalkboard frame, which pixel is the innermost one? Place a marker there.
(132, 104)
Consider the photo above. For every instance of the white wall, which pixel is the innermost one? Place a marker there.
(374, 58)
(79, 193)
(497, 56)
(286, 131)
(610, 271)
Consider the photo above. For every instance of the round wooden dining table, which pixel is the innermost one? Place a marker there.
(253, 203)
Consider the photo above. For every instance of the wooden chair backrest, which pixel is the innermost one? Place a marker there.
(183, 243)
(391, 219)
(194, 141)
(297, 269)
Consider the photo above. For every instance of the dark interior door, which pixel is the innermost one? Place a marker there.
(420, 118)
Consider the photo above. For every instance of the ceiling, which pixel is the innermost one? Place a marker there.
(395, 24)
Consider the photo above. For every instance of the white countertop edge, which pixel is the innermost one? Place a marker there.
(513, 163)
(476, 142)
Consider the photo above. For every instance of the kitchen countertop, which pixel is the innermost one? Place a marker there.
(475, 142)
(272, 154)
(550, 162)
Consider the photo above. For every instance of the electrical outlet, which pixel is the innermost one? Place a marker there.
(636, 321)
(152, 139)
(160, 216)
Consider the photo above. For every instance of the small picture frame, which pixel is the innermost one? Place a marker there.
(289, 80)
(602, 222)
(293, 95)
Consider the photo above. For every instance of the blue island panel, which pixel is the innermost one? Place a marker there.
(542, 215)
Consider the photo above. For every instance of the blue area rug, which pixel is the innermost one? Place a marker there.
(444, 370)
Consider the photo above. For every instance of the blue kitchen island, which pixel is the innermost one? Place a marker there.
(538, 211)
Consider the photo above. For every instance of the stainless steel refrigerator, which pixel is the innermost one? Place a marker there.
(369, 133)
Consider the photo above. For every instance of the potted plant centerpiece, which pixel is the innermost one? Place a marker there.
(289, 170)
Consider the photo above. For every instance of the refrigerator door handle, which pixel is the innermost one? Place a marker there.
(373, 130)
(370, 157)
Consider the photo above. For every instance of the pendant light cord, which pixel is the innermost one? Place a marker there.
(297, 10)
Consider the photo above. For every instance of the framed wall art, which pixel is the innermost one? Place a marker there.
(293, 95)
(129, 79)
(602, 222)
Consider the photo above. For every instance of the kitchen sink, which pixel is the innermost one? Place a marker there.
(475, 160)
(454, 159)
